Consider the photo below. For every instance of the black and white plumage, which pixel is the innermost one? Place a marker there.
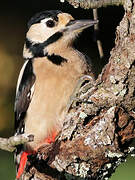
(23, 94)
(49, 75)
(27, 78)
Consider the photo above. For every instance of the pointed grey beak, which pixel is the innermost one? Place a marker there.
(79, 25)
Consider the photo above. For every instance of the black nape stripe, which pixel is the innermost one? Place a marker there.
(56, 59)
(38, 48)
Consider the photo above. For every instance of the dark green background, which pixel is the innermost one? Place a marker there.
(13, 25)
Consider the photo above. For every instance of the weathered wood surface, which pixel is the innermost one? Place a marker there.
(87, 4)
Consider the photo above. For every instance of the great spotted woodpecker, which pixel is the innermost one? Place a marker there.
(47, 79)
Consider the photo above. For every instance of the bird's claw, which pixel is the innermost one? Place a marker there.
(83, 84)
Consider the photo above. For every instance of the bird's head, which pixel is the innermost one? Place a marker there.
(49, 29)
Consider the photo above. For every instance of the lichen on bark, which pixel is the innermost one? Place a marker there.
(87, 4)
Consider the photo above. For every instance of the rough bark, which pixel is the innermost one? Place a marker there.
(100, 126)
(87, 4)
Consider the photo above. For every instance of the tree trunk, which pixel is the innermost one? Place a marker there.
(100, 126)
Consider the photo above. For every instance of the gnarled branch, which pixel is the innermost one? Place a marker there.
(9, 144)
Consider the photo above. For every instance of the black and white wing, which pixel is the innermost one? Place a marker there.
(24, 92)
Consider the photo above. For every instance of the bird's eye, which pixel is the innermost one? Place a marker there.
(50, 23)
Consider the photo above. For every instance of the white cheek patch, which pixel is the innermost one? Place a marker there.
(38, 33)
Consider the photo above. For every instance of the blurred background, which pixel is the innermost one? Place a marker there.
(14, 16)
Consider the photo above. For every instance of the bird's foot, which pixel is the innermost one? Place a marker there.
(83, 84)
(44, 151)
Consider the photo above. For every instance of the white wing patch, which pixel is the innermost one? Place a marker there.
(20, 76)
(30, 94)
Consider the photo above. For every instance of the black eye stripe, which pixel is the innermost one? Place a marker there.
(50, 23)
